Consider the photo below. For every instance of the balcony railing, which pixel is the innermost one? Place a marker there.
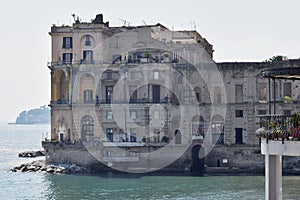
(103, 62)
(279, 127)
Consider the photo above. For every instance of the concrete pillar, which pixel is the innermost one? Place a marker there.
(273, 176)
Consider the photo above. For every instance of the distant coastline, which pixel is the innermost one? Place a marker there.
(39, 115)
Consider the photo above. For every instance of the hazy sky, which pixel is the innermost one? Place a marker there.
(240, 30)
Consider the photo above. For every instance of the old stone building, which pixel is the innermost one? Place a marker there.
(120, 93)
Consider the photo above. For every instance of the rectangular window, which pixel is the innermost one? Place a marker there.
(156, 114)
(156, 75)
(87, 57)
(239, 94)
(88, 96)
(109, 133)
(109, 76)
(175, 56)
(133, 114)
(287, 89)
(239, 113)
(109, 115)
(87, 40)
(109, 94)
(67, 58)
(262, 92)
(67, 43)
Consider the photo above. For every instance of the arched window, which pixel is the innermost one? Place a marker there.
(87, 130)
(177, 137)
(61, 87)
(217, 127)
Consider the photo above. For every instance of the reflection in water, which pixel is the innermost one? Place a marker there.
(155, 187)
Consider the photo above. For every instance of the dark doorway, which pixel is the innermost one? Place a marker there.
(197, 167)
(156, 93)
(239, 136)
(218, 163)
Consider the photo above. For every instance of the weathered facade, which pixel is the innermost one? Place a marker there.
(118, 93)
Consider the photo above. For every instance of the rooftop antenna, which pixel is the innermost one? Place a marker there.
(125, 22)
(73, 15)
(76, 19)
(193, 23)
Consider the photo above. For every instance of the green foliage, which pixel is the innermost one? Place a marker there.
(295, 119)
(277, 58)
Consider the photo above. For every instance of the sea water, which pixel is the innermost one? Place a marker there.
(18, 138)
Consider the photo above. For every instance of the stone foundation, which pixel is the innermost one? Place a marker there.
(235, 159)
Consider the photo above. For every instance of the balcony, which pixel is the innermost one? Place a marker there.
(59, 102)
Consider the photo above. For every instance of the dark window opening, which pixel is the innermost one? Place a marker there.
(109, 132)
(67, 42)
(87, 40)
(156, 93)
(239, 113)
(177, 137)
(109, 94)
(67, 58)
(109, 75)
(88, 57)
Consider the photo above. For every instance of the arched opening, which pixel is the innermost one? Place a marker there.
(217, 127)
(177, 137)
(60, 87)
(87, 128)
(64, 88)
(198, 161)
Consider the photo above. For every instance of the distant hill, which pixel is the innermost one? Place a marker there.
(39, 115)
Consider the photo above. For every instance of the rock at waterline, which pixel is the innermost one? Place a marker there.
(40, 166)
(31, 154)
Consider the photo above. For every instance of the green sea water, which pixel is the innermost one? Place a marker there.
(18, 138)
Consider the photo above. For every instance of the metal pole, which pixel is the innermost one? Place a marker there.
(274, 95)
(270, 107)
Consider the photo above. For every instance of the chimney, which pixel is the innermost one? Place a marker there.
(98, 19)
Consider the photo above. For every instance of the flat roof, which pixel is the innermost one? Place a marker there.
(292, 73)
